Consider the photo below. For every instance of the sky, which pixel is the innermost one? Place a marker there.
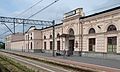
(13, 8)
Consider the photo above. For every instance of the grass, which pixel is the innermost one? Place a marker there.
(3, 69)
(8, 65)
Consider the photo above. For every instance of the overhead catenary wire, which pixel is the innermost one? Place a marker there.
(43, 8)
(50, 5)
(22, 13)
(35, 13)
(29, 8)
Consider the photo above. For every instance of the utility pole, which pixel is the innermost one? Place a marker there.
(23, 27)
(53, 38)
(14, 25)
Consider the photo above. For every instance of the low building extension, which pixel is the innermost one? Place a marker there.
(15, 42)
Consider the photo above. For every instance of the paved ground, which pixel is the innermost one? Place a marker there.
(114, 63)
(94, 62)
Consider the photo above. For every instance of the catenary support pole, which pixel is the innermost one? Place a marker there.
(53, 38)
(14, 25)
(7, 27)
(23, 27)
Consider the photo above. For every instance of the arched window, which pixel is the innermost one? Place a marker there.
(58, 35)
(111, 28)
(50, 36)
(71, 31)
(44, 37)
(92, 31)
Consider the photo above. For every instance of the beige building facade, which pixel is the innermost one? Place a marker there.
(96, 33)
(101, 32)
(15, 42)
(33, 40)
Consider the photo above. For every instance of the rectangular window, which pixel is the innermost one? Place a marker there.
(112, 44)
(51, 45)
(31, 36)
(92, 44)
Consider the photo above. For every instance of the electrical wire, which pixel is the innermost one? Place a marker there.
(43, 8)
(35, 13)
(49, 6)
(22, 13)
(30, 8)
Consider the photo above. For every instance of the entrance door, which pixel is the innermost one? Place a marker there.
(58, 45)
(71, 47)
(112, 44)
(92, 44)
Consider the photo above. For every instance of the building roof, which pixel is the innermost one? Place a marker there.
(52, 26)
(109, 10)
(43, 28)
(30, 28)
(49, 27)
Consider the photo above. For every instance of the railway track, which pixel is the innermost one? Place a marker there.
(40, 66)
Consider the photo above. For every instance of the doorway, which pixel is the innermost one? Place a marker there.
(71, 47)
(112, 44)
(92, 44)
(58, 45)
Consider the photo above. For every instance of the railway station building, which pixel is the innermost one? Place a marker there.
(96, 33)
